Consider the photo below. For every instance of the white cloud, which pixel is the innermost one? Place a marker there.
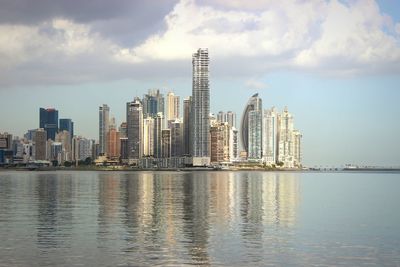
(243, 39)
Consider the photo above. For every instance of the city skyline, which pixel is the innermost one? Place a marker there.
(345, 101)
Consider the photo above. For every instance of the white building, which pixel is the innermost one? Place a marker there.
(270, 134)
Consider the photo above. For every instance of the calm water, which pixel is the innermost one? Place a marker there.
(199, 218)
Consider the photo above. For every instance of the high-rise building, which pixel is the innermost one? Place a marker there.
(158, 127)
(176, 138)
(6, 141)
(124, 150)
(220, 137)
(39, 143)
(270, 135)
(221, 116)
(67, 125)
(230, 118)
(251, 132)
(48, 120)
(172, 110)
(166, 143)
(113, 143)
(30, 134)
(233, 144)
(297, 148)
(187, 128)
(254, 104)
(134, 120)
(122, 129)
(148, 137)
(285, 139)
(64, 138)
(153, 103)
(200, 108)
(104, 113)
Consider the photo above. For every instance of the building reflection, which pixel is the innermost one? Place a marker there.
(196, 188)
(54, 210)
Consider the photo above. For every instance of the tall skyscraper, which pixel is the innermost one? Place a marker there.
(49, 121)
(153, 102)
(251, 132)
(187, 128)
(176, 138)
(148, 137)
(134, 120)
(39, 142)
(230, 118)
(166, 143)
(158, 127)
(172, 110)
(113, 142)
(233, 144)
(297, 148)
(67, 125)
(285, 139)
(64, 138)
(104, 113)
(270, 134)
(200, 108)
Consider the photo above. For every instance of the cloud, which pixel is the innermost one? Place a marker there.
(67, 43)
(255, 84)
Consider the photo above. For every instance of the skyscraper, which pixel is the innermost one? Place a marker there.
(220, 138)
(158, 126)
(253, 130)
(285, 139)
(172, 110)
(49, 121)
(148, 137)
(200, 108)
(270, 134)
(67, 125)
(166, 143)
(187, 109)
(176, 138)
(297, 148)
(113, 142)
(104, 113)
(134, 120)
(230, 118)
(153, 102)
(39, 141)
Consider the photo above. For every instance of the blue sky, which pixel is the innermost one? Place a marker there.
(342, 86)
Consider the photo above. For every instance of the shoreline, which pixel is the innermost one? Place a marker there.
(196, 169)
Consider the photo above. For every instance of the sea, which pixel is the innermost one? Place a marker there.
(199, 218)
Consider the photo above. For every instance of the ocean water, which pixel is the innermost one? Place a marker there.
(199, 218)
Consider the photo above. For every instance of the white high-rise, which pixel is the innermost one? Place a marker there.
(270, 134)
(285, 139)
(200, 108)
(172, 110)
(148, 137)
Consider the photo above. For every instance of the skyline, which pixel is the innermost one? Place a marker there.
(333, 110)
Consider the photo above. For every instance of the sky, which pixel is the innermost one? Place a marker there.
(334, 64)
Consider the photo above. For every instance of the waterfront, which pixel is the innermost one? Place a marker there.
(199, 218)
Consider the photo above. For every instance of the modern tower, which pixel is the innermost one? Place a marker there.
(270, 134)
(104, 113)
(153, 102)
(285, 139)
(187, 128)
(172, 110)
(254, 104)
(200, 108)
(67, 125)
(49, 121)
(134, 120)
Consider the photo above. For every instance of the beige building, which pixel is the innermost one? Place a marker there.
(220, 137)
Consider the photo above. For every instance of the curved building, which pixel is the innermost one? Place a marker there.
(253, 109)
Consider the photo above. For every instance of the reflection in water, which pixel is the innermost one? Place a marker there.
(165, 218)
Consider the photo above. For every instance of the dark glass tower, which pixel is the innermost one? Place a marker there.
(67, 125)
(48, 120)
